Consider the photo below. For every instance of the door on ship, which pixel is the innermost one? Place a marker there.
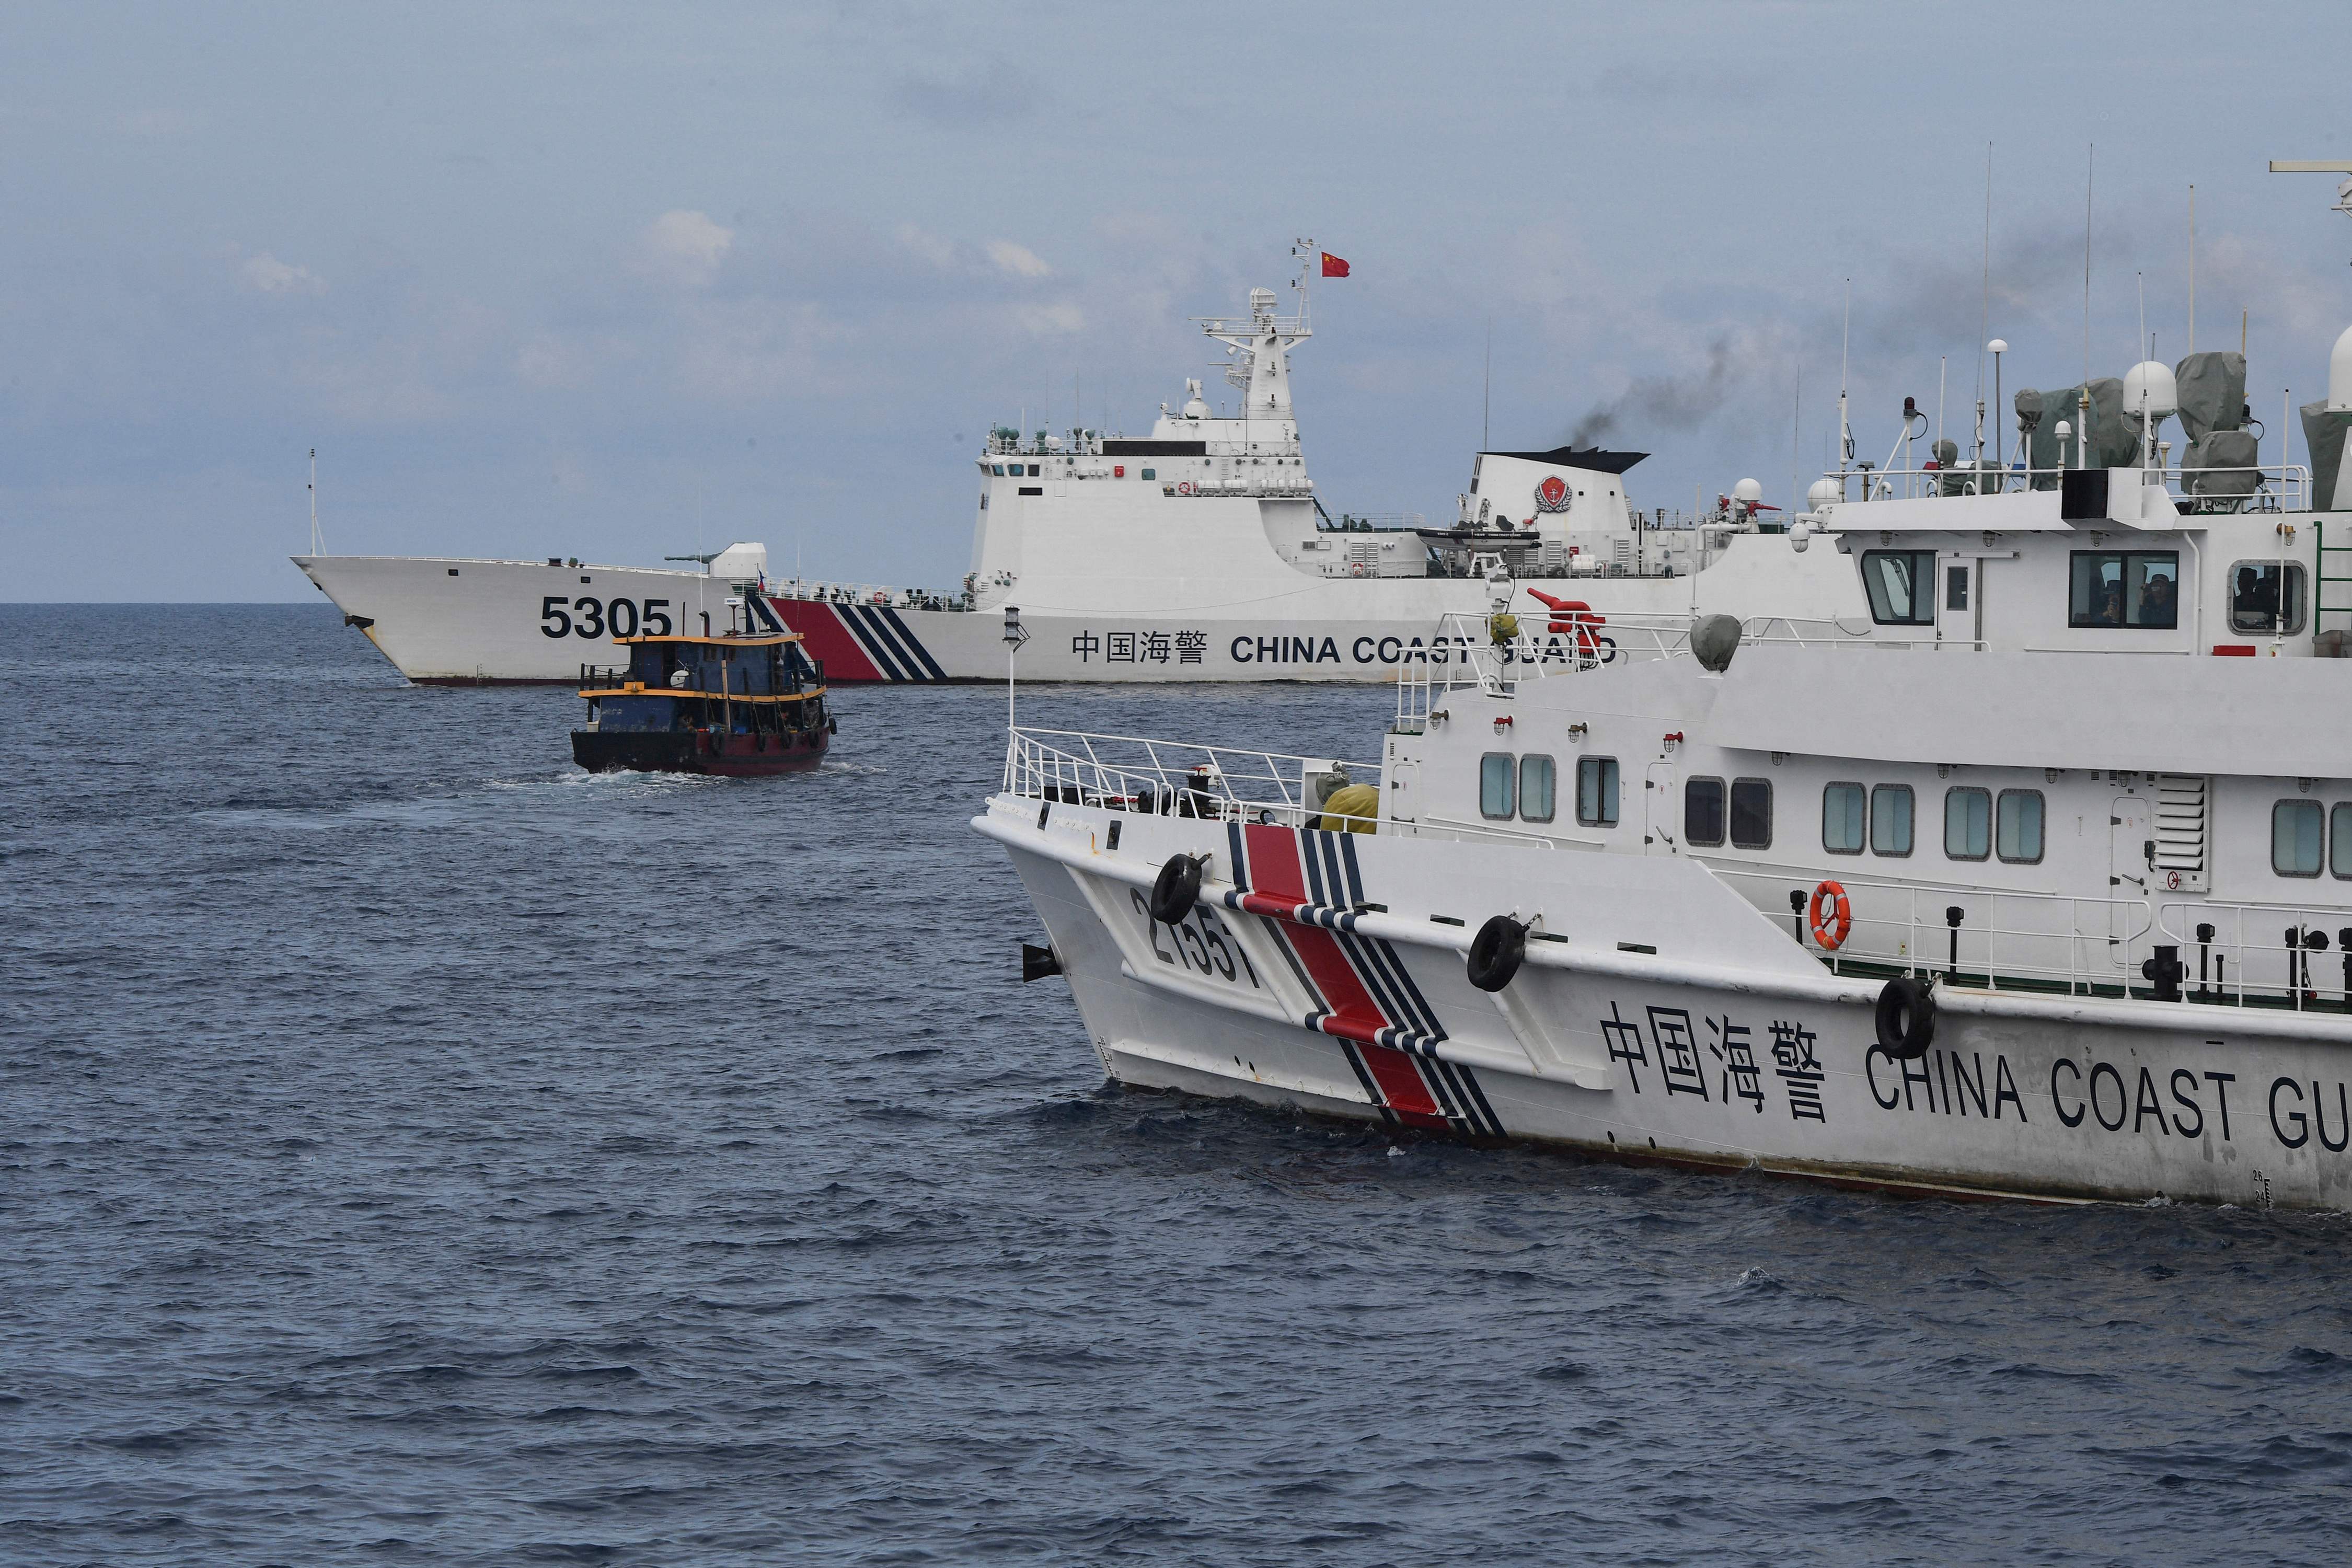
(2131, 850)
(1960, 601)
(1661, 812)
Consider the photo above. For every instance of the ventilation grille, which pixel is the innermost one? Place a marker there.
(2182, 834)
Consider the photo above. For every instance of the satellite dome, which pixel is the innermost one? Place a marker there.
(2151, 380)
(1748, 490)
(1825, 493)
(2339, 374)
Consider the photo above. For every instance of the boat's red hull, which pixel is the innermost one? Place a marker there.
(697, 751)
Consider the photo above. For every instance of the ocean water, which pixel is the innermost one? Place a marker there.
(413, 1150)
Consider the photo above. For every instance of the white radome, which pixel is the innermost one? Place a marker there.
(1748, 490)
(1825, 493)
(2150, 384)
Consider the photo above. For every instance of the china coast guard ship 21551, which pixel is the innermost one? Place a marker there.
(2035, 880)
(1198, 553)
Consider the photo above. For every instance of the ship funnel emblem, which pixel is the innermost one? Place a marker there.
(1552, 494)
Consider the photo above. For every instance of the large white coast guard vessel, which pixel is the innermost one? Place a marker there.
(2037, 880)
(1198, 553)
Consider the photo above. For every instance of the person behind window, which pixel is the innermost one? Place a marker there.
(2157, 607)
(2111, 605)
(2254, 607)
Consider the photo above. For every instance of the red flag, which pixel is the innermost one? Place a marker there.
(1333, 266)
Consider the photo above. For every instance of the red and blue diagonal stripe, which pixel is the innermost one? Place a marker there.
(1307, 886)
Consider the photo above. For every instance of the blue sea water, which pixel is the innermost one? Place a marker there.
(413, 1150)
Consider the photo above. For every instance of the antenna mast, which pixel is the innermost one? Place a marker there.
(2083, 401)
(1984, 320)
(315, 547)
(1845, 430)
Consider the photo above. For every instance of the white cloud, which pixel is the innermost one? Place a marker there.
(268, 275)
(929, 247)
(685, 247)
(1016, 259)
(1045, 320)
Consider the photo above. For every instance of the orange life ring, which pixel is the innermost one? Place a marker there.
(1830, 932)
(1357, 570)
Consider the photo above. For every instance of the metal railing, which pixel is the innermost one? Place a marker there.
(2284, 969)
(1172, 778)
(2037, 941)
(2275, 487)
(1375, 522)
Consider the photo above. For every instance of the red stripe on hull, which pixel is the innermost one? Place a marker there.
(1275, 871)
(846, 659)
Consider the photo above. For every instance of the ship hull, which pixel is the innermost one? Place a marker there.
(1727, 1048)
(697, 751)
(448, 622)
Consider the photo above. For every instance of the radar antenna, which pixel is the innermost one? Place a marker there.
(2320, 166)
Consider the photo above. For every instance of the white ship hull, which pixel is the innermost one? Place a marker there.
(1727, 1047)
(468, 621)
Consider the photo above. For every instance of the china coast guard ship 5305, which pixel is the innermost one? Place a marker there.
(1198, 553)
(2036, 879)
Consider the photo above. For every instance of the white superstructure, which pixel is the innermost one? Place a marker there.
(2036, 878)
(1201, 551)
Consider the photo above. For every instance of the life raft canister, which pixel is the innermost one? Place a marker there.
(1831, 916)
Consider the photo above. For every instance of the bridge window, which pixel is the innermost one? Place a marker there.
(2124, 588)
(2339, 840)
(1497, 798)
(1596, 791)
(2295, 834)
(2254, 597)
(2019, 838)
(1703, 811)
(1890, 819)
(1901, 585)
(1842, 817)
(1536, 780)
(1751, 813)
(1968, 824)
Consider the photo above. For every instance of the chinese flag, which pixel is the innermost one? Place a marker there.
(1333, 266)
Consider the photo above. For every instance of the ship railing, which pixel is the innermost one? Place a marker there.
(604, 675)
(1375, 522)
(2276, 953)
(1177, 778)
(2270, 487)
(864, 593)
(2000, 939)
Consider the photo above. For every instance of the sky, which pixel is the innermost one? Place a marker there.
(624, 282)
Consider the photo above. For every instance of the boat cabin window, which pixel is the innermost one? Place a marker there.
(1703, 811)
(1890, 819)
(1901, 585)
(1751, 813)
(1842, 817)
(2018, 836)
(2254, 603)
(2339, 841)
(2296, 832)
(1535, 779)
(1956, 587)
(2124, 588)
(1596, 791)
(1496, 775)
(1968, 824)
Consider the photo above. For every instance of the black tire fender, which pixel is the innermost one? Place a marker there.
(1176, 890)
(1907, 1018)
(1496, 953)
